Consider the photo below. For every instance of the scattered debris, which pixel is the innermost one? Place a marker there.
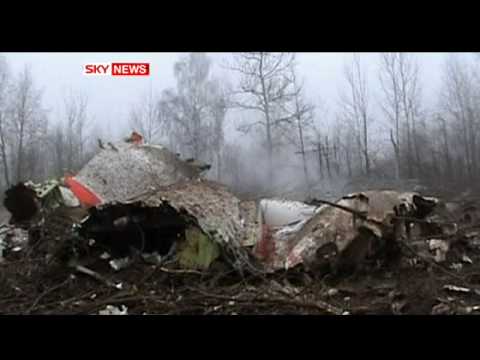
(456, 288)
(104, 256)
(97, 276)
(139, 226)
(466, 259)
(354, 227)
(154, 258)
(26, 200)
(197, 220)
(12, 239)
(441, 309)
(119, 264)
(123, 173)
(113, 310)
(332, 292)
(440, 247)
(456, 266)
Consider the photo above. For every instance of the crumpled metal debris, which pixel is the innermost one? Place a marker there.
(69, 199)
(205, 219)
(154, 258)
(25, 200)
(126, 171)
(470, 309)
(277, 221)
(442, 309)
(457, 288)
(440, 248)
(105, 256)
(249, 218)
(456, 266)
(119, 264)
(12, 239)
(205, 216)
(215, 208)
(466, 259)
(2, 248)
(114, 310)
(372, 217)
(277, 213)
(287, 233)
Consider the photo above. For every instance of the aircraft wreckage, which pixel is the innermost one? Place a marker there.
(135, 198)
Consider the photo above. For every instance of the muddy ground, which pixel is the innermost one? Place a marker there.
(407, 283)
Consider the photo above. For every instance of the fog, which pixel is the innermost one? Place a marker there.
(335, 123)
(110, 98)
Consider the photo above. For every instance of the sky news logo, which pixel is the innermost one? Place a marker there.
(117, 69)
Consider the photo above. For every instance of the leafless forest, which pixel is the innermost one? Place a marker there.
(365, 204)
(290, 144)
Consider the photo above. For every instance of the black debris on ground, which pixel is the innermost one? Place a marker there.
(29, 285)
(40, 278)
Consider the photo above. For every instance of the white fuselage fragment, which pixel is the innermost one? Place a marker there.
(277, 213)
(290, 233)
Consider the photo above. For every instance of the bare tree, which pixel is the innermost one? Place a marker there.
(449, 173)
(219, 106)
(28, 119)
(265, 87)
(356, 107)
(410, 94)
(232, 165)
(461, 106)
(58, 148)
(186, 111)
(4, 87)
(145, 117)
(343, 138)
(76, 106)
(303, 114)
(392, 102)
(399, 78)
(36, 161)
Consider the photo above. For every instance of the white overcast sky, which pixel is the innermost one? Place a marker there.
(110, 97)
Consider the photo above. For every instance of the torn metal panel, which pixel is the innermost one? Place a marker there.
(278, 219)
(25, 200)
(127, 170)
(276, 212)
(119, 264)
(444, 222)
(213, 206)
(440, 248)
(198, 217)
(114, 310)
(250, 222)
(351, 235)
(69, 199)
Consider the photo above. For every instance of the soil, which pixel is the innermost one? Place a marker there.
(408, 283)
(412, 286)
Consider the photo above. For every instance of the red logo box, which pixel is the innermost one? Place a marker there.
(130, 69)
